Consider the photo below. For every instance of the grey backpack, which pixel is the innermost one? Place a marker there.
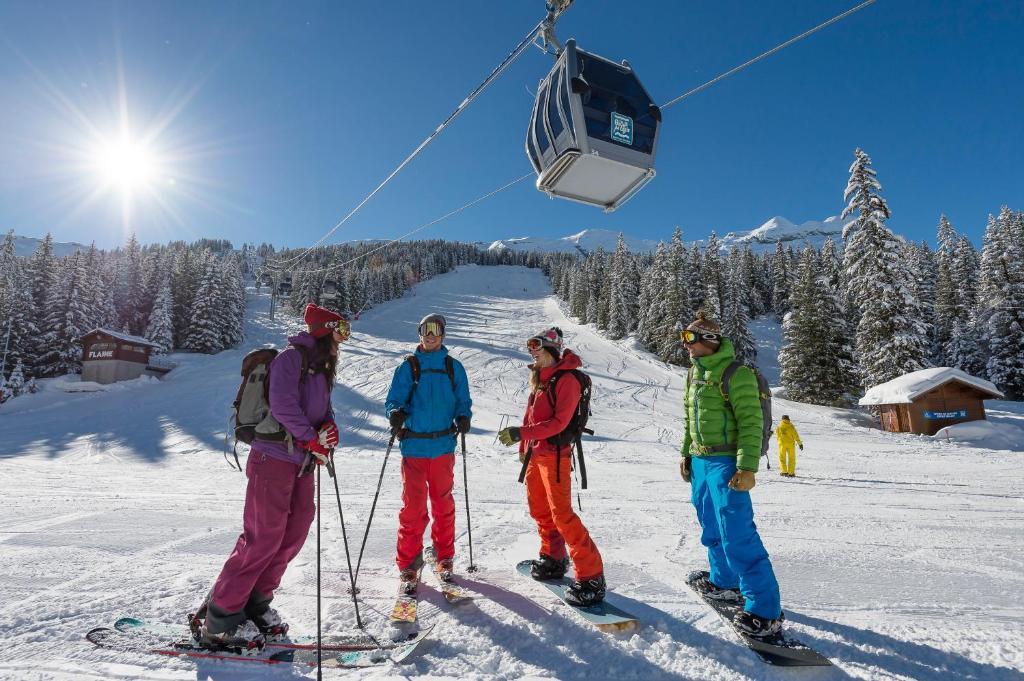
(252, 417)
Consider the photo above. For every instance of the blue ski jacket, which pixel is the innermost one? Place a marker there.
(433, 406)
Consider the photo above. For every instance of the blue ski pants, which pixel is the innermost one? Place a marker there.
(735, 552)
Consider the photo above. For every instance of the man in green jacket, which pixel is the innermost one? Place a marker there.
(721, 451)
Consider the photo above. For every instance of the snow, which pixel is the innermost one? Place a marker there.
(908, 387)
(898, 555)
(761, 239)
(128, 338)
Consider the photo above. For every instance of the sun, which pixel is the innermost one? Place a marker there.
(125, 164)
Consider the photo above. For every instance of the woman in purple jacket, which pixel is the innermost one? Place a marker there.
(279, 505)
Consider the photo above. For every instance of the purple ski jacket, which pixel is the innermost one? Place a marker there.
(300, 404)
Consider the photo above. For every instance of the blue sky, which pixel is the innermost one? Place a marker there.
(273, 120)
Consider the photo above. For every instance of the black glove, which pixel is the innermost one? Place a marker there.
(397, 420)
(686, 468)
(462, 423)
(801, 445)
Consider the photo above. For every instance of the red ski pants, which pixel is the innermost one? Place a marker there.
(423, 478)
(279, 509)
(550, 500)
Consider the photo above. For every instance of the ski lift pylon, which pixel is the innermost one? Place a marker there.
(593, 132)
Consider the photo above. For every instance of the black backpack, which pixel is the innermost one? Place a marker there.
(577, 426)
(417, 371)
(763, 392)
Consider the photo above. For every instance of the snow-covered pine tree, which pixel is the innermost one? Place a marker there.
(184, 285)
(735, 317)
(1003, 284)
(965, 348)
(66, 321)
(16, 381)
(161, 320)
(595, 280)
(891, 340)
(129, 289)
(713, 276)
(945, 289)
(204, 330)
(675, 296)
(780, 282)
(841, 331)
(623, 292)
(920, 262)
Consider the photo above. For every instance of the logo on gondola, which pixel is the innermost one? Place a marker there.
(622, 128)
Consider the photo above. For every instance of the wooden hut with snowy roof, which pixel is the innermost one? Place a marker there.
(111, 356)
(924, 401)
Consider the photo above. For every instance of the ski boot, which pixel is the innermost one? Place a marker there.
(443, 569)
(757, 627)
(586, 592)
(410, 577)
(701, 581)
(266, 619)
(548, 568)
(244, 638)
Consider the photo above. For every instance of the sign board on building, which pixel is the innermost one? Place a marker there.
(939, 415)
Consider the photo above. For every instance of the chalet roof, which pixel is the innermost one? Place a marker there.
(127, 338)
(909, 387)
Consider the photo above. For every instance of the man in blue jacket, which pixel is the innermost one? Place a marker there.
(428, 405)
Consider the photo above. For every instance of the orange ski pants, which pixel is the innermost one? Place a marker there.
(550, 500)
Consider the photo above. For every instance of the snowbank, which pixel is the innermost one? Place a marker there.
(984, 434)
(72, 383)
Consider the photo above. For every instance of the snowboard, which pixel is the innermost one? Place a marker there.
(130, 640)
(603, 615)
(781, 650)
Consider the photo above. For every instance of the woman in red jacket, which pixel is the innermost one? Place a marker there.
(548, 473)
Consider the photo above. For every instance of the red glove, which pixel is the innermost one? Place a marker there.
(328, 435)
(320, 453)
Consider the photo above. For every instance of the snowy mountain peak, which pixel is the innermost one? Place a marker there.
(586, 241)
(780, 230)
(24, 246)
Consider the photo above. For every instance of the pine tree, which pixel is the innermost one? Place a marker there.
(1003, 284)
(965, 349)
(204, 329)
(735, 317)
(160, 329)
(891, 340)
(675, 294)
(780, 282)
(66, 321)
(623, 292)
(713, 276)
(945, 290)
(129, 289)
(16, 382)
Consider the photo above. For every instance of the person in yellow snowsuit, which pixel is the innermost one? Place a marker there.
(787, 436)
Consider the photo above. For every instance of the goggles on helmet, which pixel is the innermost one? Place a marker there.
(431, 329)
(689, 336)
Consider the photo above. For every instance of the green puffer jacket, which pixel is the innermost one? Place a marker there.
(710, 422)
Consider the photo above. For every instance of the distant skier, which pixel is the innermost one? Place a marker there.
(721, 451)
(279, 505)
(427, 405)
(787, 436)
(548, 474)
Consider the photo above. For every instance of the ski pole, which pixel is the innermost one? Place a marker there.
(380, 481)
(469, 522)
(344, 536)
(319, 630)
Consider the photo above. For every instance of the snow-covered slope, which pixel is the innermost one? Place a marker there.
(25, 246)
(898, 555)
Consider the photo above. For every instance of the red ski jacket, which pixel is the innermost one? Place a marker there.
(539, 422)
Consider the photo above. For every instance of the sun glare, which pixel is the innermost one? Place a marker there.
(126, 165)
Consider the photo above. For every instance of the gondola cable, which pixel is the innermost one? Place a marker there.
(498, 70)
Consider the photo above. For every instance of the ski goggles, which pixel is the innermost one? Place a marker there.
(689, 336)
(340, 327)
(548, 339)
(431, 329)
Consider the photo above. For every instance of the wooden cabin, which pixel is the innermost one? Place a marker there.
(925, 401)
(111, 356)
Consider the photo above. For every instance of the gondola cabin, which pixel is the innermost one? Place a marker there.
(284, 288)
(593, 132)
(330, 288)
(926, 401)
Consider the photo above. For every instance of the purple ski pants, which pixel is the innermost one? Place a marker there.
(279, 509)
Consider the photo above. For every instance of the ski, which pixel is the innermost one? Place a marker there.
(404, 609)
(603, 615)
(130, 625)
(781, 650)
(453, 592)
(126, 641)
